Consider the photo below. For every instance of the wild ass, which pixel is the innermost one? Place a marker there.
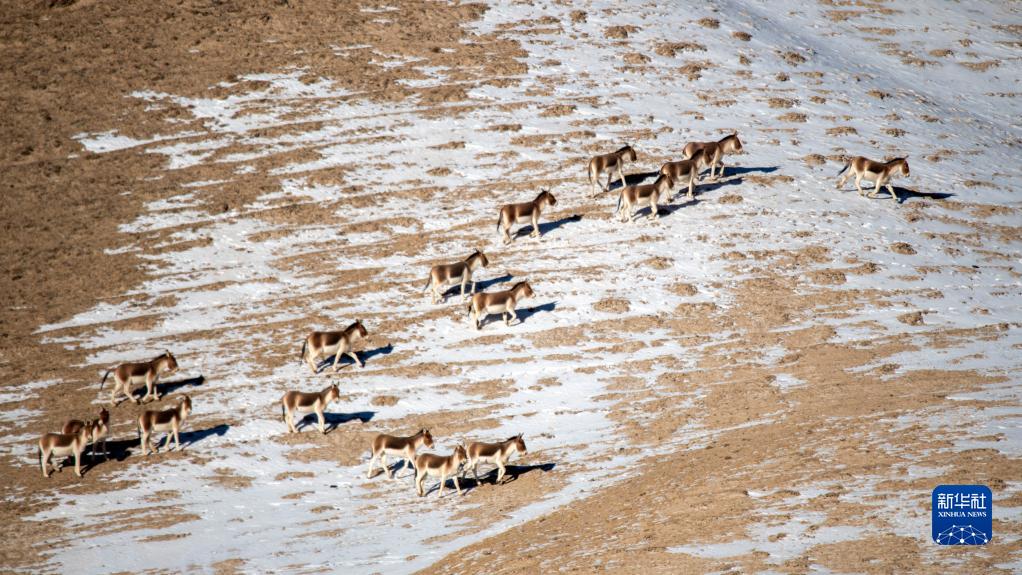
(427, 464)
(100, 428)
(306, 402)
(63, 445)
(524, 213)
(880, 173)
(128, 374)
(496, 453)
(636, 195)
(444, 275)
(715, 151)
(686, 171)
(502, 302)
(401, 447)
(607, 163)
(170, 420)
(337, 343)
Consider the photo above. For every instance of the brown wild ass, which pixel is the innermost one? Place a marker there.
(401, 447)
(524, 213)
(337, 343)
(686, 172)
(715, 151)
(880, 173)
(63, 445)
(496, 453)
(305, 402)
(100, 428)
(502, 302)
(636, 195)
(170, 420)
(128, 374)
(427, 464)
(607, 163)
(442, 276)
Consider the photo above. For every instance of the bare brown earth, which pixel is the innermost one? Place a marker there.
(66, 67)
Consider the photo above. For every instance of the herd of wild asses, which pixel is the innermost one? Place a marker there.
(76, 435)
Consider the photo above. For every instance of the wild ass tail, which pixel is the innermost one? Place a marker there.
(847, 165)
(104, 379)
(301, 357)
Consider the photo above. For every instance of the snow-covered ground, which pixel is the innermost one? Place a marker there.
(235, 278)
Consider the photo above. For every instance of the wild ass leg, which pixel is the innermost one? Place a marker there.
(337, 358)
(44, 462)
(148, 388)
(311, 356)
(890, 190)
(354, 356)
(321, 418)
(535, 223)
(408, 460)
(290, 417)
(419, 477)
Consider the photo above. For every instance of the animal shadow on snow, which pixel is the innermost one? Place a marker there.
(904, 194)
(547, 227)
(121, 449)
(172, 386)
(345, 361)
(332, 420)
(710, 186)
(633, 179)
(511, 473)
(480, 286)
(523, 314)
(739, 170)
(190, 437)
(395, 467)
(663, 210)
(166, 388)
